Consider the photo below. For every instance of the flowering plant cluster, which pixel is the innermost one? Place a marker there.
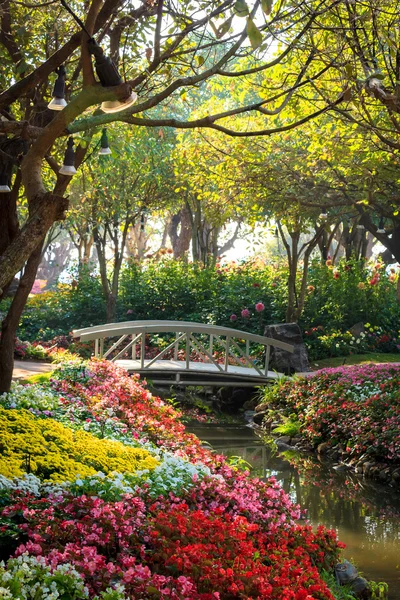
(357, 407)
(51, 451)
(154, 515)
(326, 344)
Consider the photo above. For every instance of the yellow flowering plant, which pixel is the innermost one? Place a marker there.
(54, 452)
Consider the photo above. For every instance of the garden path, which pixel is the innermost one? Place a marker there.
(25, 368)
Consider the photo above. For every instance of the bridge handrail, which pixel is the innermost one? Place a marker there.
(131, 327)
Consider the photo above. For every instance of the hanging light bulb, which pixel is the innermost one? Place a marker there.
(381, 228)
(324, 215)
(109, 77)
(58, 102)
(68, 167)
(4, 187)
(104, 147)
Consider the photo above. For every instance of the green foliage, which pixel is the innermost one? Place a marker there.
(340, 592)
(176, 290)
(69, 307)
(289, 427)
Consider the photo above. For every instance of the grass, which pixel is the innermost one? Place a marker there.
(355, 359)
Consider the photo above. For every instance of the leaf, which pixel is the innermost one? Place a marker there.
(347, 95)
(255, 36)
(200, 60)
(225, 27)
(267, 6)
(240, 8)
(349, 70)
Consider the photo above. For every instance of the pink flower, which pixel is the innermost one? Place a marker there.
(233, 317)
(260, 307)
(245, 313)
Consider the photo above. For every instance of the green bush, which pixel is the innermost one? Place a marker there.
(168, 289)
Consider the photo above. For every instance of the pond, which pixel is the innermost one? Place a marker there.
(365, 514)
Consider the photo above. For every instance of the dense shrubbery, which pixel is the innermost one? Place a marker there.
(355, 407)
(192, 527)
(336, 299)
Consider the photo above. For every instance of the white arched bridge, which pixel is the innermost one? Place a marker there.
(185, 353)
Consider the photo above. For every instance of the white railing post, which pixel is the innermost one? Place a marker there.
(187, 351)
(227, 343)
(142, 349)
(96, 347)
(211, 344)
(133, 348)
(101, 347)
(176, 346)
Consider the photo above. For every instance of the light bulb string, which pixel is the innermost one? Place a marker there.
(77, 19)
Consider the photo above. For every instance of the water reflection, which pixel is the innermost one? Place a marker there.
(366, 515)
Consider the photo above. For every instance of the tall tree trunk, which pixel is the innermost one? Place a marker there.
(11, 321)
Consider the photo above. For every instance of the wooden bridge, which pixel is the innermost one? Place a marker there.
(223, 356)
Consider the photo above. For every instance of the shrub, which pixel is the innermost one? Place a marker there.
(357, 407)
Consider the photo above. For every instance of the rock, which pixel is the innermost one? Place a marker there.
(341, 467)
(284, 439)
(359, 584)
(296, 440)
(282, 447)
(259, 417)
(250, 404)
(367, 466)
(357, 329)
(281, 360)
(396, 475)
(323, 448)
(345, 572)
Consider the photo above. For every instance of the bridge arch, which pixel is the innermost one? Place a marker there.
(235, 365)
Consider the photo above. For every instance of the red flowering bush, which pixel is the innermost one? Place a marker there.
(215, 555)
(221, 535)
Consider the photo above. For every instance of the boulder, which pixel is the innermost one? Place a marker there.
(357, 329)
(323, 448)
(281, 360)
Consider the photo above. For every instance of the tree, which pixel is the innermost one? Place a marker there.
(163, 50)
(114, 196)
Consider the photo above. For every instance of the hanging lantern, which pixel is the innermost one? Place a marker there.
(323, 215)
(58, 102)
(68, 167)
(109, 77)
(4, 187)
(104, 147)
(381, 228)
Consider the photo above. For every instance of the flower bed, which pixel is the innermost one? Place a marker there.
(172, 520)
(355, 409)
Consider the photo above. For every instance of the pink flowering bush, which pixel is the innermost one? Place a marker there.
(357, 407)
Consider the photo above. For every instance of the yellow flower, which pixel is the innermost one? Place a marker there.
(54, 452)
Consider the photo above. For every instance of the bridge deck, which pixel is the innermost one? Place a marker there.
(164, 371)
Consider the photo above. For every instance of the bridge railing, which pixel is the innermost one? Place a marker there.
(203, 339)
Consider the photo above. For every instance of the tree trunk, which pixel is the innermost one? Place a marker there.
(11, 322)
(180, 241)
